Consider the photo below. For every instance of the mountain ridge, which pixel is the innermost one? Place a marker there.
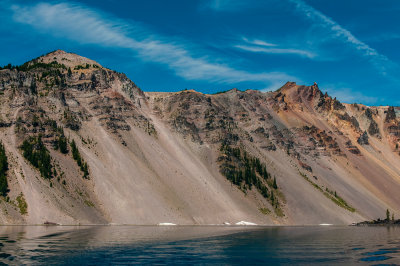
(292, 156)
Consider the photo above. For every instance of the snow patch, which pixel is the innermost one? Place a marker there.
(166, 224)
(325, 224)
(245, 223)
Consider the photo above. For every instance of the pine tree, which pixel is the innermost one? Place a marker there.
(387, 214)
(85, 171)
(274, 185)
(62, 144)
(75, 152)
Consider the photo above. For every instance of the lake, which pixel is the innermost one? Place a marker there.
(97, 245)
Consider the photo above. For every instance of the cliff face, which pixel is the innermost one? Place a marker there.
(85, 145)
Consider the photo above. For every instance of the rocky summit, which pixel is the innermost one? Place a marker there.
(82, 144)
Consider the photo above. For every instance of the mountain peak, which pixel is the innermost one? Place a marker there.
(288, 85)
(301, 92)
(57, 52)
(68, 59)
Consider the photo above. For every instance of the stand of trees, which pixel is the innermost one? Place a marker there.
(246, 171)
(77, 157)
(3, 171)
(37, 154)
(32, 65)
(61, 144)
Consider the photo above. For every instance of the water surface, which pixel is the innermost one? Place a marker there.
(97, 245)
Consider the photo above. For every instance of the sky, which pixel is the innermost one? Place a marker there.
(350, 48)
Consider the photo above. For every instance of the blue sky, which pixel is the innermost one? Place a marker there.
(350, 48)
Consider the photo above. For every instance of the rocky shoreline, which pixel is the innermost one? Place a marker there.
(379, 222)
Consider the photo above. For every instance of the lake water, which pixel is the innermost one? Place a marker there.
(97, 245)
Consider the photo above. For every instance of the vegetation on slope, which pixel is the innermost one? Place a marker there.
(86, 66)
(338, 200)
(61, 144)
(246, 171)
(3, 171)
(22, 205)
(332, 195)
(77, 157)
(37, 154)
(33, 65)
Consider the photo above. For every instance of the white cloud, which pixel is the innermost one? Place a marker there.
(258, 42)
(384, 37)
(223, 5)
(348, 95)
(87, 26)
(276, 50)
(73, 22)
(261, 46)
(381, 62)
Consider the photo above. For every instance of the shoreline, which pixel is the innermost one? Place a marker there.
(187, 225)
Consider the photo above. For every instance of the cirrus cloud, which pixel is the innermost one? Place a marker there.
(88, 26)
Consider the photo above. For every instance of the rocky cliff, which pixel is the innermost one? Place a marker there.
(85, 145)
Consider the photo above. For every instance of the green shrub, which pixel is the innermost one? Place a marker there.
(22, 205)
(332, 195)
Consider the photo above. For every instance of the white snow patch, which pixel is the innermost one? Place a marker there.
(166, 224)
(245, 223)
(226, 223)
(325, 224)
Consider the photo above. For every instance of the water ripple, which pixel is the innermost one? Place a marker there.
(98, 245)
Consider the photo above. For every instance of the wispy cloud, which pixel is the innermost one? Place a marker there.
(332, 29)
(73, 22)
(87, 26)
(275, 50)
(258, 42)
(223, 5)
(260, 46)
(348, 95)
(384, 37)
(381, 62)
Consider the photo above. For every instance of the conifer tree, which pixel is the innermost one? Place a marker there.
(62, 144)
(274, 185)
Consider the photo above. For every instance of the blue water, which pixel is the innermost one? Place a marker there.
(183, 245)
